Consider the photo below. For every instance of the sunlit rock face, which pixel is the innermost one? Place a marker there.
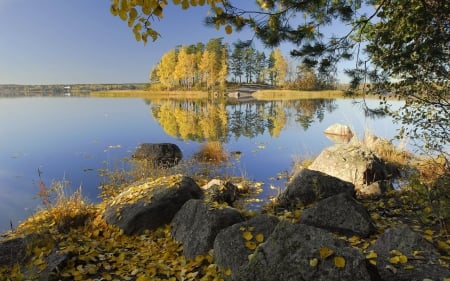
(151, 204)
(353, 163)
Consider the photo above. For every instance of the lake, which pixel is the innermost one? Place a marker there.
(72, 138)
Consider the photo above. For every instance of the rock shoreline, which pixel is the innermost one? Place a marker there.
(316, 244)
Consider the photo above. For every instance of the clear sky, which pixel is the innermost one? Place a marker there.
(79, 41)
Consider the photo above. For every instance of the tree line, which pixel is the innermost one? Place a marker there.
(212, 65)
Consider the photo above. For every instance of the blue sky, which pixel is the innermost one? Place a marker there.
(79, 41)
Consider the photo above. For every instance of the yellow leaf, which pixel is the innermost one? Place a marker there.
(250, 245)
(409, 267)
(353, 239)
(373, 262)
(143, 278)
(443, 246)
(394, 260)
(403, 259)
(247, 235)
(396, 252)
(325, 252)
(259, 237)
(228, 29)
(429, 232)
(339, 262)
(371, 255)
(313, 262)
(227, 272)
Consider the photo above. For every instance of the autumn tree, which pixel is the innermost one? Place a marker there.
(166, 68)
(401, 46)
(279, 68)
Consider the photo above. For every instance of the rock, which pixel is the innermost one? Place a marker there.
(340, 213)
(197, 224)
(293, 252)
(230, 250)
(220, 191)
(422, 257)
(19, 251)
(308, 186)
(351, 163)
(339, 133)
(151, 204)
(164, 155)
(55, 260)
(339, 129)
(14, 250)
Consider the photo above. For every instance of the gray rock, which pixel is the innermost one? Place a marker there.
(339, 133)
(292, 253)
(339, 129)
(18, 251)
(351, 163)
(15, 250)
(230, 250)
(422, 257)
(221, 192)
(340, 213)
(197, 224)
(308, 186)
(159, 154)
(151, 204)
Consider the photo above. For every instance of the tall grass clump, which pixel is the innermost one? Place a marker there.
(212, 152)
(61, 210)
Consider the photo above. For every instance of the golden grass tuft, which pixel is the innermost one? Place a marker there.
(295, 95)
(211, 152)
(66, 212)
(151, 94)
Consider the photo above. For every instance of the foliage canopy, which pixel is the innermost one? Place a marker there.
(401, 47)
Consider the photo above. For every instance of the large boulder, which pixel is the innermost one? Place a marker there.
(352, 163)
(151, 204)
(159, 154)
(308, 186)
(197, 224)
(302, 252)
(234, 244)
(340, 213)
(404, 255)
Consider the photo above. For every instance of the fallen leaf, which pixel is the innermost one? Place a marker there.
(325, 252)
(247, 235)
(339, 262)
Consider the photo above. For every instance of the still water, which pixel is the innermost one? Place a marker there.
(72, 138)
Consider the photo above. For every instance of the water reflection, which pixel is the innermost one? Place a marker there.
(76, 138)
(214, 120)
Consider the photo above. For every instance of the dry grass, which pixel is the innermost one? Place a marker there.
(295, 95)
(151, 94)
(211, 152)
(64, 212)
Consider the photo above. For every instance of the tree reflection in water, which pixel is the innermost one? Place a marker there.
(217, 120)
